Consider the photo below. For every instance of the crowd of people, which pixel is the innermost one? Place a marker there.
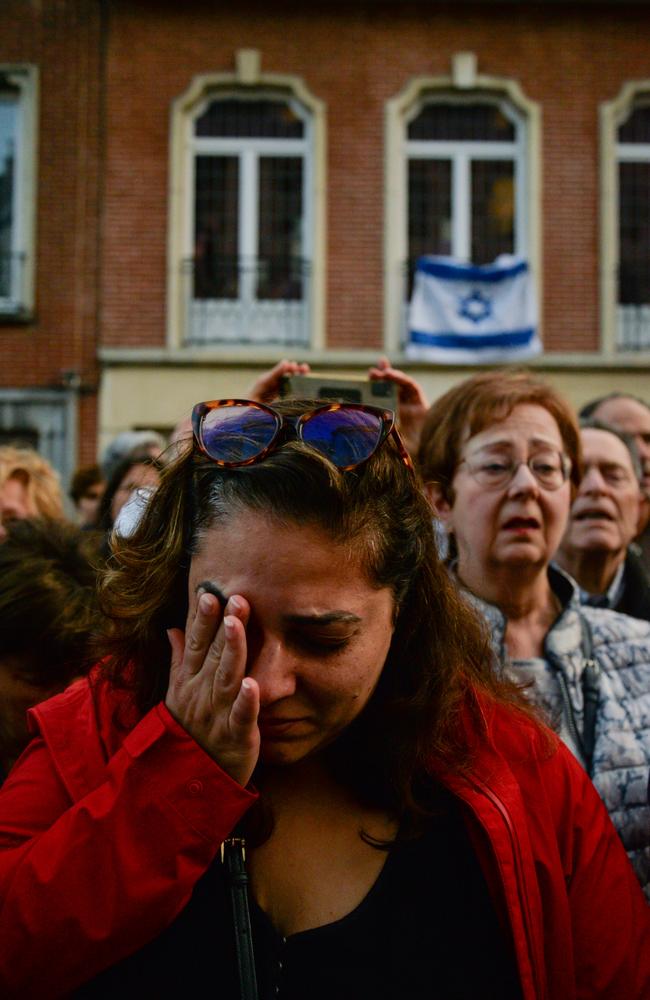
(321, 700)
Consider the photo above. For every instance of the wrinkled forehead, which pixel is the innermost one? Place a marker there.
(599, 447)
(527, 425)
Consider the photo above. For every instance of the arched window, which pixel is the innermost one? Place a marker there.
(251, 243)
(462, 178)
(633, 161)
(465, 163)
(246, 235)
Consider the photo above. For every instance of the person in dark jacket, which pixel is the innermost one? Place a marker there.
(597, 546)
(631, 415)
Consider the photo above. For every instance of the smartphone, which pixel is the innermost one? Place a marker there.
(342, 390)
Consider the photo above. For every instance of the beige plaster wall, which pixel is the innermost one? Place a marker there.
(133, 396)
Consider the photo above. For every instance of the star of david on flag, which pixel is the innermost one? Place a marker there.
(465, 314)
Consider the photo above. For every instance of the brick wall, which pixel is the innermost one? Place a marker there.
(63, 39)
(110, 70)
(355, 57)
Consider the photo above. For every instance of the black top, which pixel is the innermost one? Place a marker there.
(426, 929)
(635, 597)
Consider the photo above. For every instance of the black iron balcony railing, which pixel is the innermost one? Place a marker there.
(633, 310)
(236, 300)
(275, 278)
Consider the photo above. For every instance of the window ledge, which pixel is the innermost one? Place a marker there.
(262, 356)
(17, 317)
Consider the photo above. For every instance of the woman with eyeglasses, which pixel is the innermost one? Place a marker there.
(295, 772)
(500, 456)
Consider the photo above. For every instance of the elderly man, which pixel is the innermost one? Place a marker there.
(632, 416)
(603, 522)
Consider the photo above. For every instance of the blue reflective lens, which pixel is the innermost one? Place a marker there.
(237, 433)
(346, 437)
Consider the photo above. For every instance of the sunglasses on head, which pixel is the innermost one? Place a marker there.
(234, 432)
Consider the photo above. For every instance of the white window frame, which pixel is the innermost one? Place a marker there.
(612, 152)
(463, 85)
(249, 151)
(247, 83)
(20, 301)
(462, 154)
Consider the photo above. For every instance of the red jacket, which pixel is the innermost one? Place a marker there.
(105, 830)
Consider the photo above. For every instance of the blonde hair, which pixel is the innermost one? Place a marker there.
(41, 482)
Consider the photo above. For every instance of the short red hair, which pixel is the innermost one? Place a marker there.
(478, 402)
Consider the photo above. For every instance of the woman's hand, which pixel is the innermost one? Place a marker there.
(267, 387)
(209, 694)
(412, 404)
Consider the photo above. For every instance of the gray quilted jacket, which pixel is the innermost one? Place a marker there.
(621, 651)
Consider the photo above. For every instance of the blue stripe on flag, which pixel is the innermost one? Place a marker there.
(466, 272)
(513, 338)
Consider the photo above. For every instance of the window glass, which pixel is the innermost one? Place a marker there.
(232, 117)
(637, 126)
(493, 209)
(280, 224)
(634, 233)
(8, 137)
(429, 219)
(468, 122)
(216, 234)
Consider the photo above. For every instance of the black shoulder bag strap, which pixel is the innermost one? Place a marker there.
(233, 856)
(590, 694)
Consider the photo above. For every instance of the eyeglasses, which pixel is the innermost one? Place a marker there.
(550, 468)
(234, 432)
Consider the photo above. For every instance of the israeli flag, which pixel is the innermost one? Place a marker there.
(464, 314)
